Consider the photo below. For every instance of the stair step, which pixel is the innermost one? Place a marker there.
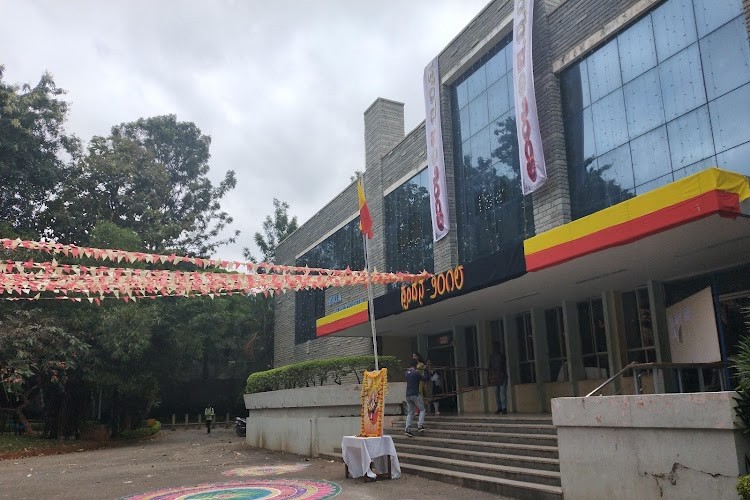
(529, 450)
(497, 437)
(521, 474)
(499, 486)
(548, 464)
(493, 426)
(514, 418)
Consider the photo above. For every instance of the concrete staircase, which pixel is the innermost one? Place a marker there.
(510, 455)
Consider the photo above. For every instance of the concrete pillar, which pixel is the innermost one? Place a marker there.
(511, 354)
(573, 345)
(483, 355)
(658, 308)
(459, 346)
(613, 344)
(541, 354)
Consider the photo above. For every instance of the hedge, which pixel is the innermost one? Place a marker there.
(315, 372)
(152, 428)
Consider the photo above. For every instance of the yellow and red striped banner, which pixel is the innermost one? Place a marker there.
(351, 316)
(712, 191)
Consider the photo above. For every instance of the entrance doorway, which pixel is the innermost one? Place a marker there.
(442, 355)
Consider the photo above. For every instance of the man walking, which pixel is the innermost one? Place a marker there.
(413, 397)
(209, 414)
(498, 376)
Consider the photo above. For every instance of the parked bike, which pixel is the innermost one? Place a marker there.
(240, 426)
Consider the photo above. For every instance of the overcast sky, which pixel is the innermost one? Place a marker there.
(280, 85)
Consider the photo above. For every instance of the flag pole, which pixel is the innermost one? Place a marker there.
(371, 303)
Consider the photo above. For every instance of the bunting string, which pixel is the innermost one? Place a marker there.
(30, 280)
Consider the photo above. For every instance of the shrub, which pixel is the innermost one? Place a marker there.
(315, 372)
(143, 432)
(743, 486)
(741, 365)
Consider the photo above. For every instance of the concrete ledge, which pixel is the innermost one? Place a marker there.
(311, 420)
(651, 446)
(707, 410)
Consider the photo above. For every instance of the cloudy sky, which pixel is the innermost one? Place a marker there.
(280, 85)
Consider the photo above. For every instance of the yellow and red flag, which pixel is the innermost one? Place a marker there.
(365, 220)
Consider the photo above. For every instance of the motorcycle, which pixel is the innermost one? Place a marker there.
(240, 426)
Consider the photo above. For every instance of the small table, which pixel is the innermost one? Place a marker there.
(372, 457)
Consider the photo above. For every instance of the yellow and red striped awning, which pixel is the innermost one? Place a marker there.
(712, 191)
(351, 316)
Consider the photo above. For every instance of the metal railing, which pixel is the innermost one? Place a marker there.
(659, 372)
(458, 380)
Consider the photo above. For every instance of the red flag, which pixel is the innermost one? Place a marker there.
(365, 220)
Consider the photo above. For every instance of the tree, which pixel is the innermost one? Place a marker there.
(34, 350)
(275, 229)
(35, 151)
(150, 176)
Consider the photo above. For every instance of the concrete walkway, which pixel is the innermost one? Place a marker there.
(189, 458)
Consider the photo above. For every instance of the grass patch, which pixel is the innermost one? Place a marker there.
(13, 444)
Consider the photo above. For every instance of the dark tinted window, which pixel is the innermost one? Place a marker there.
(490, 210)
(408, 226)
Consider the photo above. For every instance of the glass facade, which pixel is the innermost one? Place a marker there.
(593, 339)
(408, 227)
(636, 311)
(490, 209)
(556, 344)
(342, 249)
(526, 353)
(666, 98)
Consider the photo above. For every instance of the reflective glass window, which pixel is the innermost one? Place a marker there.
(497, 66)
(408, 226)
(730, 115)
(604, 71)
(342, 249)
(637, 51)
(499, 97)
(711, 14)
(616, 169)
(643, 103)
(674, 27)
(575, 87)
(477, 83)
(736, 159)
(726, 63)
(478, 114)
(650, 156)
(682, 83)
(610, 123)
(690, 138)
(679, 107)
(581, 146)
(491, 213)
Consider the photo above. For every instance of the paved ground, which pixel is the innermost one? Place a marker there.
(188, 458)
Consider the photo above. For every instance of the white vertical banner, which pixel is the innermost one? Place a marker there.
(435, 158)
(533, 171)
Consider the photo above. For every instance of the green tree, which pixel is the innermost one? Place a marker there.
(35, 151)
(150, 176)
(34, 350)
(276, 227)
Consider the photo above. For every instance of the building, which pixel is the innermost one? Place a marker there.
(632, 237)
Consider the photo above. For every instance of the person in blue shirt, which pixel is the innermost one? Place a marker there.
(413, 397)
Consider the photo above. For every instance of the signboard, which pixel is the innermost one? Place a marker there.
(435, 158)
(691, 323)
(533, 170)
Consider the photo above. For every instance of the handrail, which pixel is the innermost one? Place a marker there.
(629, 366)
(655, 366)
